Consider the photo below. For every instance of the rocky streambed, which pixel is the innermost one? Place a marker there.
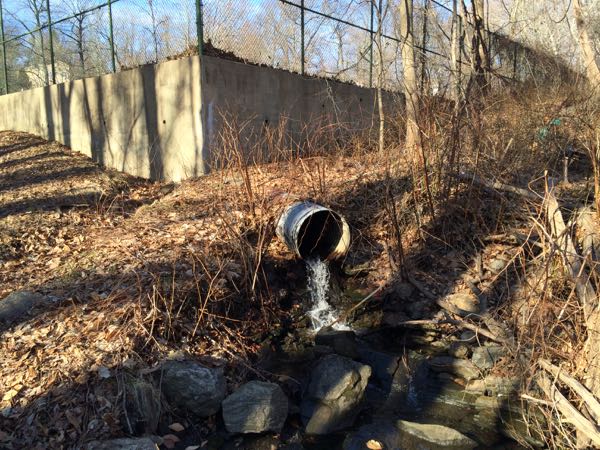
(337, 390)
(378, 387)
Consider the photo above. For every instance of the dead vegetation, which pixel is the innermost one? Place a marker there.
(136, 272)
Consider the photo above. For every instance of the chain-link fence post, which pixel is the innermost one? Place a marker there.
(371, 31)
(4, 68)
(199, 26)
(111, 37)
(302, 57)
(51, 42)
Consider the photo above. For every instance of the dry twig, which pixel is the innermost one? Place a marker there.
(568, 411)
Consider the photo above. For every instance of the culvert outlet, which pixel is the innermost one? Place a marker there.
(312, 230)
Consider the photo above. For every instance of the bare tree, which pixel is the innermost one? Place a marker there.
(424, 43)
(37, 44)
(593, 74)
(480, 60)
(154, 29)
(411, 87)
(77, 30)
(340, 34)
(455, 56)
(380, 72)
(586, 46)
(414, 142)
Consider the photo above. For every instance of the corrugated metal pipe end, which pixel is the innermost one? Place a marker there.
(312, 230)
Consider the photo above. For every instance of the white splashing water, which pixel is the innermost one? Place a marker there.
(322, 313)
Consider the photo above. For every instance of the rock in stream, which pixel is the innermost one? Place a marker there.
(343, 342)
(334, 395)
(255, 407)
(406, 435)
(459, 367)
(143, 443)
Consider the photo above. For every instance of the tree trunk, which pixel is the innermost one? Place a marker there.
(413, 144)
(481, 60)
(455, 56)
(340, 47)
(466, 45)
(80, 49)
(423, 55)
(380, 77)
(36, 9)
(450, 165)
(411, 88)
(587, 48)
(591, 360)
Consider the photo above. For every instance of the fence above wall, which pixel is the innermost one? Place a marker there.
(45, 42)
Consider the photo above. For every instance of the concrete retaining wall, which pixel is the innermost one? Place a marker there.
(144, 121)
(148, 121)
(261, 97)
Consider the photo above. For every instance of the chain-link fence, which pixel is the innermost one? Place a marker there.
(46, 42)
(326, 38)
(54, 41)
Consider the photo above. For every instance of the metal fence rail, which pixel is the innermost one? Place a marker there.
(53, 41)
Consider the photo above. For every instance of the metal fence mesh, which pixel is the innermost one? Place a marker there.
(54, 41)
(262, 31)
(81, 45)
(152, 31)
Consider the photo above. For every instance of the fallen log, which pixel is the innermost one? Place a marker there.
(584, 289)
(568, 411)
(588, 237)
(590, 401)
(496, 185)
(571, 260)
(459, 323)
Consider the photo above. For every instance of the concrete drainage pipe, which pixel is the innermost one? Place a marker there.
(312, 231)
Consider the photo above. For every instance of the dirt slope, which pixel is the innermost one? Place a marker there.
(124, 263)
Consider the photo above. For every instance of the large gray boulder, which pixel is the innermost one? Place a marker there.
(193, 388)
(385, 368)
(334, 395)
(255, 407)
(343, 342)
(18, 305)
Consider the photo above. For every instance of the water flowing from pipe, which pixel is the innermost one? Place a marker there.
(322, 313)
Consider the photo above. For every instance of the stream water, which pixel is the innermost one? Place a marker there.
(402, 384)
(322, 313)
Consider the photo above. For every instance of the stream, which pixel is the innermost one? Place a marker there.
(402, 386)
(416, 375)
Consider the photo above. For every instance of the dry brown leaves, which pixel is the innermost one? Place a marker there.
(98, 242)
(57, 368)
